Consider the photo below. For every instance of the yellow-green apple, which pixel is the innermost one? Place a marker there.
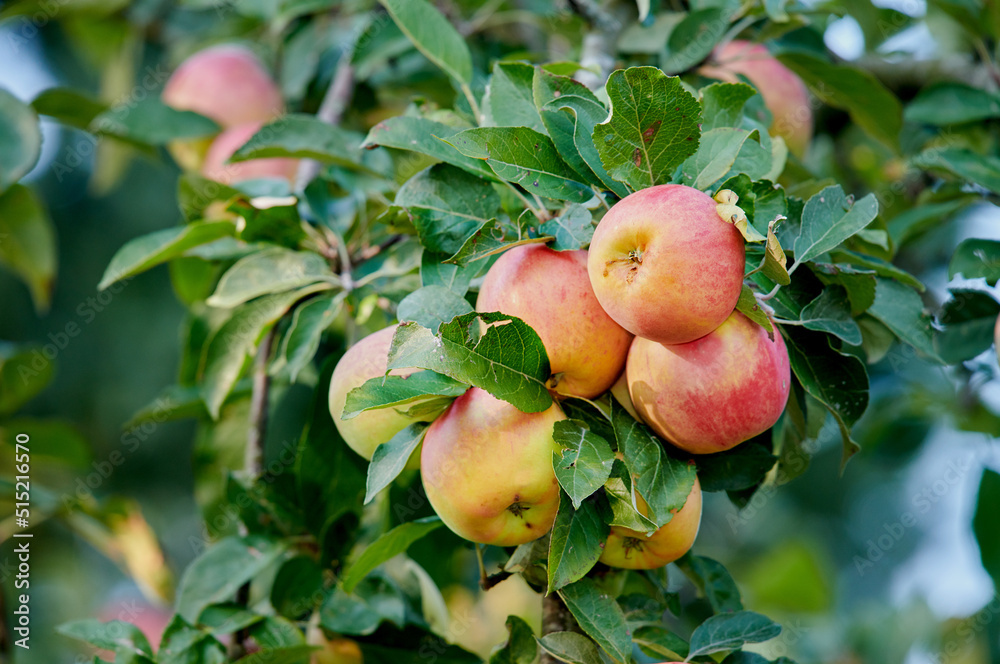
(783, 92)
(230, 140)
(550, 291)
(713, 393)
(336, 651)
(226, 83)
(665, 266)
(487, 469)
(365, 360)
(632, 549)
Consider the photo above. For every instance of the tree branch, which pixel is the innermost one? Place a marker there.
(599, 44)
(253, 462)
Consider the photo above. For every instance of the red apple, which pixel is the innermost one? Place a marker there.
(632, 549)
(550, 291)
(487, 469)
(665, 266)
(711, 394)
(230, 140)
(783, 92)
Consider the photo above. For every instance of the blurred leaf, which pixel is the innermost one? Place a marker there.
(142, 253)
(877, 265)
(272, 270)
(431, 306)
(275, 632)
(68, 106)
(570, 647)
(572, 229)
(297, 587)
(509, 102)
(831, 312)
(653, 127)
(577, 541)
(741, 467)
(984, 523)
(394, 542)
(227, 618)
(968, 320)
(525, 157)
(694, 37)
(660, 643)
(584, 461)
(508, 361)
(599, 616)
(869, 103)
(20, 138)
(716, 155)
(151, 122)
(973, 258)
(714, 580)
(24, 372)
(900, 308)
(447, 205)
(828, 219)
(196, 193)
(183, 644)
(390, 458)
(433, 35)
(730, 631)
(520, 647)
(114, 635)
(962, 163)
(412, 645)
(310, 320)
(950, 102)
(217, 574)
(425, 136)
(910, 223)
(27, 241)
(279, 655)
(790, 578)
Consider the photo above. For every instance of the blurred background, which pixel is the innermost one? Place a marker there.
(878, 564)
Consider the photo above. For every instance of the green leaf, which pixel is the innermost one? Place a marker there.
(741, 467)
(622, 501)
(968, 321)
(525, 157)
(571, 648)
(950, 102)
(183, 644)
(390, 458)
(428, 137)
(279, 655)
(831, 312)
(227, 618)
(277, 632)
(20, 138)
(310, 320)
(722, 106)
(520, 648)
(237, 338)
(828, 219)
(584, 462)
(217, 574)
(914, 221)
(663, 481)
(984, 523)
(653, 127)
(714, 580)
(297, 587)
(749, 307)
(900, 308)
(391, 391)
(694, 37)
(973, 259)
(839, 382)
(151, 122)
(730, 631)
(878, 266)
(28, 242)
(114, 635)
(431, 306)
(435, 272)
(716, 155)
(68, 106)
(599, 616)
(374, 601)
(491, 239)
(509, 101)
(412, 645)
(656, 641)
(964, 164)
(433, 35)
(394, 542)
(573, 229)
(859, 284)
(273, 270)
(305, 137)
(150, 250)
(24, 372)
(577, 541)
(447, 206)
(869, 103)
(508, 360)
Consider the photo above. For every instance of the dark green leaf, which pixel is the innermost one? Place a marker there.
(859, 284)
(622, 501)
(828, 219)
(297, 587)
(577, 541)
(950, 102)
(390, 458)
(963, 163)
(571, 648)
(714, 580)
(730, 631)
(968, 320)
(900, 308)
(435, 272)
(600, 617)
(741, 467)
(68, 106)
(984, 523)
(394, 542)
(974, 259)
(520, 648)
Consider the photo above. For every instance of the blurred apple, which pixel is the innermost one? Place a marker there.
(230, 140)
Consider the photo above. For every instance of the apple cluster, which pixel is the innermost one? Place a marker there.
(647, 313)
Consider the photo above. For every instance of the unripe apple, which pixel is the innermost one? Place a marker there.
(550, 291)
(713, 393)
(632, 549)
(665, 266)
(487, 469)
(230, 140)
(365, 360)
(783, 92)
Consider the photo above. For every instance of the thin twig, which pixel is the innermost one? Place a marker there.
(253, 463)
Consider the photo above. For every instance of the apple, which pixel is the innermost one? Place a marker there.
(665, 266)
(550, 291)
(226, 83)
(225, 144)
(783, 92)
(632, 549)
(713, 393)
(487, 469)
(365, 360)
(337, 651)
(620, 392)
